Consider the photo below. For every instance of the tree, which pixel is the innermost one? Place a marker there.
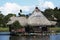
(57, 13)
(7, 18)
(16, 25)
(48, 13)
(1, 19)
(53, 13)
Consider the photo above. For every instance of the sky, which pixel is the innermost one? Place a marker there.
(27, 6)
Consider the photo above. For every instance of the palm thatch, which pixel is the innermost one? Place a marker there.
(53, 22)
(37, 18)
(22, 20)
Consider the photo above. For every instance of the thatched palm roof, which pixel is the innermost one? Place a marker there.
(37, 18)
(53, 22)
(22, 20)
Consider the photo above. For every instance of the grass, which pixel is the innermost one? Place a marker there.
(55, 29)
(5, 29)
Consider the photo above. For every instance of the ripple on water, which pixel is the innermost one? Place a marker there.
(41, 37)
(55, 37)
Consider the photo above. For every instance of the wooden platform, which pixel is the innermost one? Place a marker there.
(33, 34)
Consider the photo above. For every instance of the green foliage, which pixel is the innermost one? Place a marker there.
(48, 13)
(1, 19)
(55, 12)
(16, 25)
(4, 19)
(7, 17)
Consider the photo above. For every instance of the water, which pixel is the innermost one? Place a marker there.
(41, 37)
(4, 36)
(55, 37)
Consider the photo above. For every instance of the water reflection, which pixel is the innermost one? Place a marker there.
(4, 37)
(55, 37)
(46, 37)
(41, 37)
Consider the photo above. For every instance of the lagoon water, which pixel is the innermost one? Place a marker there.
(42, 37)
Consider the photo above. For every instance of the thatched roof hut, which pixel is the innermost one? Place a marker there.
(22, 20)
(38, 19)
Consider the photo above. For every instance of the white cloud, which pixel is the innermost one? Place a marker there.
(43, 4)
(13, 8)
(48, 4)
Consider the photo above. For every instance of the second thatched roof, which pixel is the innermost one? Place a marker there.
(37, 18)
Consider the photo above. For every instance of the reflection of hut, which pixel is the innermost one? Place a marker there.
(36, 20)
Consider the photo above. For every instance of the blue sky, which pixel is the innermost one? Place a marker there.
(13, 6)
(20, 2)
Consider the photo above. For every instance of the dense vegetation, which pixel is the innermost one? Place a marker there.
(53, 14)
